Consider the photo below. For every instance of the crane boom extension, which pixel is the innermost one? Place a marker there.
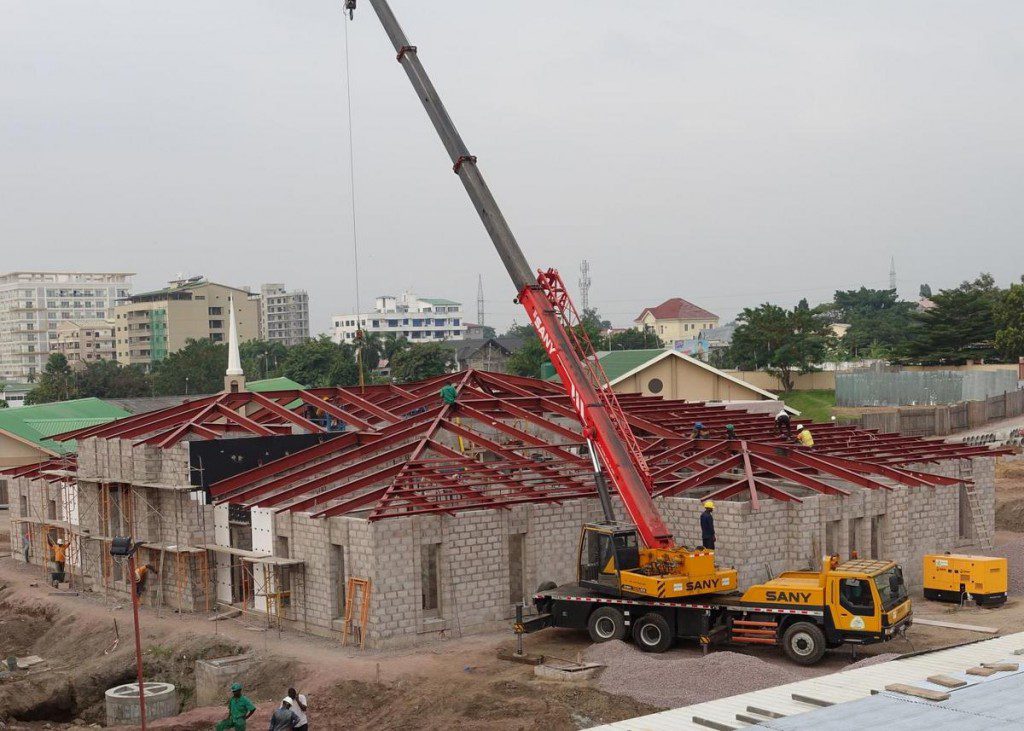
(549, 309)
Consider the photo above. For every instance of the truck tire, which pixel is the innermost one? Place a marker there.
(547, 586)
(804, 643)
(652, 633)
(606, 624)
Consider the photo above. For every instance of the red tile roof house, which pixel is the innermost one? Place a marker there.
(675, 319)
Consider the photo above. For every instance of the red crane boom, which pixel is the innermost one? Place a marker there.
(551, 312)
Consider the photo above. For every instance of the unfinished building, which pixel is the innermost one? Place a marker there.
(443, 517)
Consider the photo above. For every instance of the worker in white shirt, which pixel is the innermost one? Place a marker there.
(299, 709)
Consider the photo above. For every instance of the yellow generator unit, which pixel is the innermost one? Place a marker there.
(950, 577)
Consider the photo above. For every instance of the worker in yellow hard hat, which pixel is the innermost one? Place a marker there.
(804, 437)
(707, 526)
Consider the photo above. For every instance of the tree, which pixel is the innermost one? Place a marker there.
(629, 340)
(393, 344)
(262, 359)
(56, 383)
(321, 362)
(527, 359)
(779, 341)
(925, 291)
(1009, 316)
(423, 360)
(198, 368)
(878, 320)
(109, 379)
(961, 326)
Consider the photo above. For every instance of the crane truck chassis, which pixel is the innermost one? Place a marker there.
(805, 612)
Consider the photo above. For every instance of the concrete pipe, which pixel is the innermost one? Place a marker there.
(123, 703)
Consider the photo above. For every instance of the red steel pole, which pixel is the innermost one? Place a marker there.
(138, 641)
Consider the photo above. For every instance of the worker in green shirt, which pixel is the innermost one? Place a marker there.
(449, 395)
(239, 710)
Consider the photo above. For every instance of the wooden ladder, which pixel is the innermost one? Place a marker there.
(362, 586)
(981, 535)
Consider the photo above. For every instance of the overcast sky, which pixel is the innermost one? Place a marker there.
(729, 153)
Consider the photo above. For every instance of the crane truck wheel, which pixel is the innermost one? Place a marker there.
(652, 633)
(547, 586)
(605, 624)
(804, 643)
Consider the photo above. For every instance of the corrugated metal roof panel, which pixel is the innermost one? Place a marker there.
(847, 685)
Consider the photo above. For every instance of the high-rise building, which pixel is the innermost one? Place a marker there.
(284, 316)
(152, 325)
(85, 341)
(417, 319)
(32, 305)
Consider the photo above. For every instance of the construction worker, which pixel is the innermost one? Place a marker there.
(240, 709)
(449, 396)
(299, 708)
(804, 437)
(699, 432)
(141, 574)
(783, 426)
(59, 553)
(284, 718)
(707, 525)
(730, 432)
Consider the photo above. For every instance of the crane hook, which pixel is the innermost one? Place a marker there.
(350, 6)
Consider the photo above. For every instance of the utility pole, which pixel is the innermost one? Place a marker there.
(892, 272)
(125, 547)
(584, 285)
(480, 299)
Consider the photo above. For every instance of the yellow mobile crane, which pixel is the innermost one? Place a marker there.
(634, 577)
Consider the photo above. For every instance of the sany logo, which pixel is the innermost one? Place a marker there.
(542, 332)
(556, 357)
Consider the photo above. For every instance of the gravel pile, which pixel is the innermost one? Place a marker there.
(1013, 551)
(873, 660)
(678, 678)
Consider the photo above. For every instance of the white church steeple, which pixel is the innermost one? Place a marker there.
(234, 377)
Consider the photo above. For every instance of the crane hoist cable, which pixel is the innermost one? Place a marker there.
(360, 340)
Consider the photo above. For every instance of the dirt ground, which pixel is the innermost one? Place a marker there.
(1010, 495)
(453, 684)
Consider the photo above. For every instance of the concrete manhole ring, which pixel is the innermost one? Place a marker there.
(131, 690)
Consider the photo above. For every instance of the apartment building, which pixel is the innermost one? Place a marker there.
(85, 341)
(152, 325)
(418, 319)
(284, 316)
(34, 303)
(675, 320)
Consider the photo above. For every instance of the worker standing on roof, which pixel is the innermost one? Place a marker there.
(699, 431)
(240, 709)
(59, 553)
(804, 437)
(707, 526)
(783, 426)
(449, 396)
(730, 432)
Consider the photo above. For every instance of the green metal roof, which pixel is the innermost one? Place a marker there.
(280, 383)
(435, 301)
(619, 362)
(36, 424)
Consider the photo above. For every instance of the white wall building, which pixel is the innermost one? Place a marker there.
(284, 316)
(418, 319)
(32, 304)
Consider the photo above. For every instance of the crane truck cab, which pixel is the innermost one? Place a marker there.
(612, 561)
(863, 601)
